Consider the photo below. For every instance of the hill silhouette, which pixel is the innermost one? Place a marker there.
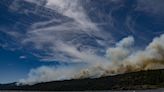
(150, 79)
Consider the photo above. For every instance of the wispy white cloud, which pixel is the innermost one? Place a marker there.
(46, 35)
(72, 9)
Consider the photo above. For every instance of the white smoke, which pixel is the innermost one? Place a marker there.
(122, 49)
(120, 59)
(45, 74)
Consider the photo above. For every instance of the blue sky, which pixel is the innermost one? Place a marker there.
(12, 67)
(76, 33)
(15, 65)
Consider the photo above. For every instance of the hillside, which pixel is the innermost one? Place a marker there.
(137, 80)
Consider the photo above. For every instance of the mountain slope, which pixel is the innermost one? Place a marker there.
(137, 80)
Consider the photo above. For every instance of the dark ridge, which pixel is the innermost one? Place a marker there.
(150, 79)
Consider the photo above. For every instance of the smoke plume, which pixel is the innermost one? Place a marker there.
(122, 58)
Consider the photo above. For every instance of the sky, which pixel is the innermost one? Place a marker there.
(47, 40)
